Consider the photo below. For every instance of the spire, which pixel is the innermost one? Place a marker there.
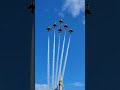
(60, 78)
(60, 83)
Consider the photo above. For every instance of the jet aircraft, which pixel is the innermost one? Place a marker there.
(54, 25)
(48, 29)
(60, 30)
(70, 31)
(60, 21)
(65, 26)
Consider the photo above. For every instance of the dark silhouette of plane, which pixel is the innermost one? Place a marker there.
(70, 31)
(60, 21)
(87, 10)
(65, 26)
(48, 29)
(32, 7)
(60, 30)
(54, 25)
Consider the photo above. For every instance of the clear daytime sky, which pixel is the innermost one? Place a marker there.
(46, 13)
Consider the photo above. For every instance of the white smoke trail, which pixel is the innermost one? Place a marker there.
(61, 57)
(57, 61)
(66, 57)
(48, 65)
(53, 61)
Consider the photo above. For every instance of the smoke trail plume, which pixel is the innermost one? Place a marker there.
(48, 65)
(53, 61)
(66, 57)
(57, 60)
(61, 57)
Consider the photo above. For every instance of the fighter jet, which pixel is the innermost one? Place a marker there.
(32, 7)
(70, 31)
(87, 10)
(60, 21)
(48, 29)
(65, 26)
(60, 30)
(54, 25)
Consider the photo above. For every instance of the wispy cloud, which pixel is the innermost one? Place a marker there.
(74, 7)
(76, 84)
(41, 86)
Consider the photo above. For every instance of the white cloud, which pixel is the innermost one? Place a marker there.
(74, 6)
(77, 84)
(40, 86)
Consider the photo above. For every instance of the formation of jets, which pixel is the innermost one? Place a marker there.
(60, 30)
(32, 7)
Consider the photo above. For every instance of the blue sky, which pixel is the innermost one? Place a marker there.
(47, 12)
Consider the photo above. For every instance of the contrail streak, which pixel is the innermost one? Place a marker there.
(57, 60)
(48, 65)
(66, 57)
(53, 61)
(61, 57)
